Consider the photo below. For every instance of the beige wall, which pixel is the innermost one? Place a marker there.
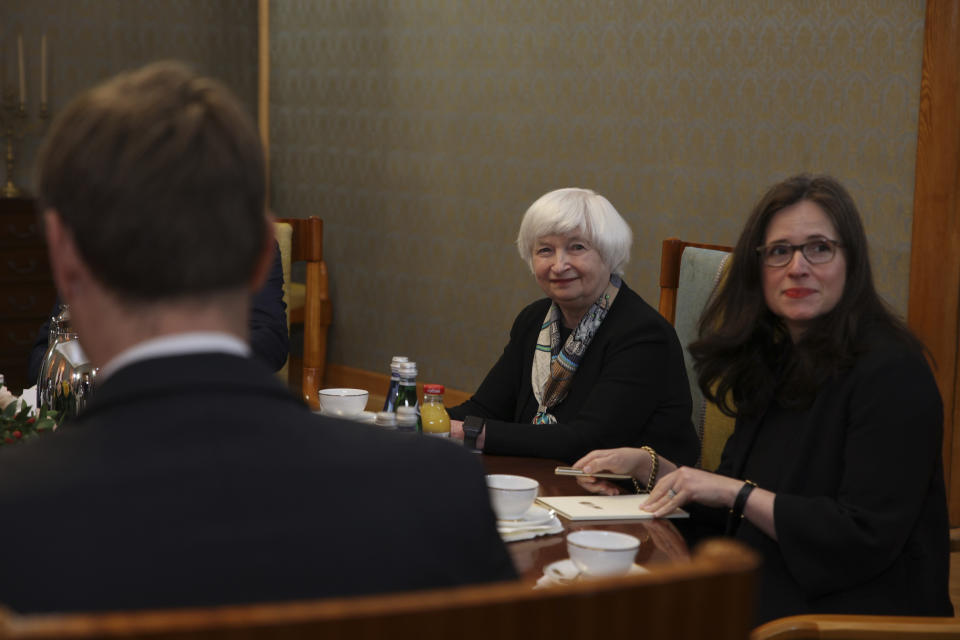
(90, 40)
(421, 131)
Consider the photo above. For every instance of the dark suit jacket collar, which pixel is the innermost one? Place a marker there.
(172, 376)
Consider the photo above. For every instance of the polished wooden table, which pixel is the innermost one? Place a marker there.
(660, 541)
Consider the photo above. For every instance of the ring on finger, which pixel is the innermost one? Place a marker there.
(672, 494)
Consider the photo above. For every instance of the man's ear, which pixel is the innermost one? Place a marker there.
(69, 270)
(265, 259)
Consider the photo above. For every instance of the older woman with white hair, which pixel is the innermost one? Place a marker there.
(592, 365)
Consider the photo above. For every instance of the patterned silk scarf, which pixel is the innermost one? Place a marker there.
(553, 366)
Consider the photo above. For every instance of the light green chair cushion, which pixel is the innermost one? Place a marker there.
(700, 272)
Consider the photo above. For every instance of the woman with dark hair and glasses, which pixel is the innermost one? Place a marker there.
(833, 472)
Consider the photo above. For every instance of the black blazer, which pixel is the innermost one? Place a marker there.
(629, 390)
(860, 512)
(199, 480)
(269, 337)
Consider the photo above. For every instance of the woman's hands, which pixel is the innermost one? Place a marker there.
(675, 486)
(633, 462)
(686, 484)
(712, 490)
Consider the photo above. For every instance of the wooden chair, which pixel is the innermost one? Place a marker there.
(301, 240)
(709, 597)
(671, 255)
(689, 272)
(851, 627)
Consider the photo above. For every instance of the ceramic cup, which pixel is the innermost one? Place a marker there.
(342, 403)
(602, 553)
(511, 496)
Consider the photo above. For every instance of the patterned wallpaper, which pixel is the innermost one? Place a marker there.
(421, 130)
(91, 40)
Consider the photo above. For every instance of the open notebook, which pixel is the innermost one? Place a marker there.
(623, 507)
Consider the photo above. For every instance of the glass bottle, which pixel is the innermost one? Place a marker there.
(433, 415)
(391, 402)
(407, 392)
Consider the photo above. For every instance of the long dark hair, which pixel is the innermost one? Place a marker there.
(744, 356)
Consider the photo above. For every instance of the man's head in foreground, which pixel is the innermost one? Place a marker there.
(152, 191)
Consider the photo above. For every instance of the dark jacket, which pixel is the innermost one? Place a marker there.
(629, 390)
(860, 511)
(199, 480)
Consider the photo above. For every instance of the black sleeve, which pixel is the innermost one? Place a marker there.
(269, 337)
(497, 396)
(638, 395)
(893, 424)
(632, 402)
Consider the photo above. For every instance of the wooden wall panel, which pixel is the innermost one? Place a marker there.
(934, 306)
(263, 82)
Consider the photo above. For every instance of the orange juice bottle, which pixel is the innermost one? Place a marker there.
(433, 415)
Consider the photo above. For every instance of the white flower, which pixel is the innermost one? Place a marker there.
(6, 398)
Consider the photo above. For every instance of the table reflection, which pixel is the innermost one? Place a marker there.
(660, 540)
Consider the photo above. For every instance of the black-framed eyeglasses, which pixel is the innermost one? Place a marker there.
(779, 254)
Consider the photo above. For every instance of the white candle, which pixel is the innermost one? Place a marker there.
(23, 82)
(43, 69)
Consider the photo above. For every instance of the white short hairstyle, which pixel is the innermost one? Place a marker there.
(569, 211)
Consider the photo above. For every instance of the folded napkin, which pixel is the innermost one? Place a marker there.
(510, 532)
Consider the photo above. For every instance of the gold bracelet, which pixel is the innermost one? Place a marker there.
(654, 467)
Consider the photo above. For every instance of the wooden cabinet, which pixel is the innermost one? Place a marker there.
(27, 293)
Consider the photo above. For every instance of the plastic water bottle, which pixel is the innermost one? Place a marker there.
(391, 402)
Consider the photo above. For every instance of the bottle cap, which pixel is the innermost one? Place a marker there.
(386, 419)
(408, 369)
(396, 361)
(407, 417)
(433, 389)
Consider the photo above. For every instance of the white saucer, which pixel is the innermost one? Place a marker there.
(535, 515)
(565, 572)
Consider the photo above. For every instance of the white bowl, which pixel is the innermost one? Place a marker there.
(511, 496)
(602, 553)
(342, 403)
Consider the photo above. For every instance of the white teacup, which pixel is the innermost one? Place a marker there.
(602, 553)
(342, 403)
(511, 496)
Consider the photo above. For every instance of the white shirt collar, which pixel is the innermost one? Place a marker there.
(176, 344)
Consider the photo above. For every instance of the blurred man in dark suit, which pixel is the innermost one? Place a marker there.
(194, 477)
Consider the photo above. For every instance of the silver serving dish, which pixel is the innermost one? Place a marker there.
(66, 380)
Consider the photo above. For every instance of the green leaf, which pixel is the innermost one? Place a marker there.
(24, 412)
(9, 411)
